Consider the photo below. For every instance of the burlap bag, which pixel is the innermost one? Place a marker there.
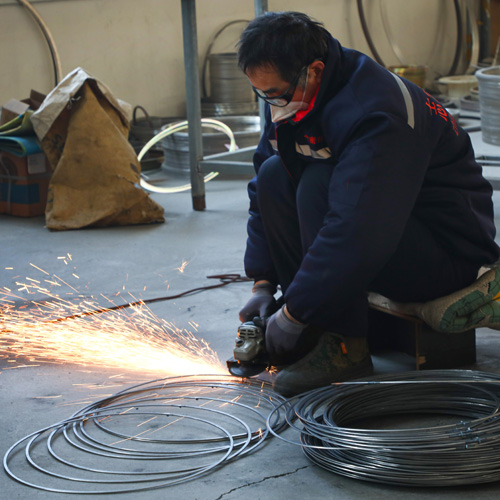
(96, 172)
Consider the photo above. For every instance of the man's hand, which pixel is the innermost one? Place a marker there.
(261, 300)
(282, 334)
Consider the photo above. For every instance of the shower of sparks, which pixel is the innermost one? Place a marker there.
(72, 328)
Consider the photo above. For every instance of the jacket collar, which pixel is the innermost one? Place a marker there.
(331, 81)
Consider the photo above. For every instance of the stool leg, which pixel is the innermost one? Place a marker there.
(417, 326)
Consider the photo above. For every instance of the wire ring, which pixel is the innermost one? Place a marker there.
(177, 127)
(234, 409)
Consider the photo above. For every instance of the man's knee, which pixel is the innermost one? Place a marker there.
(273, 179)
(271, 170)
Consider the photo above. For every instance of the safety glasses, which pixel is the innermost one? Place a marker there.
(283, 99)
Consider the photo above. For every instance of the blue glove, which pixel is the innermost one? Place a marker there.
(282, 335)
(261, 300)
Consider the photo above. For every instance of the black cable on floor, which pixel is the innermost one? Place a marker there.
(225, 279)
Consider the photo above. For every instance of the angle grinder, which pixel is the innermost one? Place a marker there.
(249, 354)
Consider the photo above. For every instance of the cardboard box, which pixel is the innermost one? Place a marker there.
(24, 184)
(14, 107)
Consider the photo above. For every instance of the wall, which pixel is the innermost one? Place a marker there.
(135, 47)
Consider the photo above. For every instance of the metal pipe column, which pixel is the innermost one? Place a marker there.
(193, 102)
(261, 6)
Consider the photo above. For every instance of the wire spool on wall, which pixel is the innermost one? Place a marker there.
(246, 130)
(397, 51)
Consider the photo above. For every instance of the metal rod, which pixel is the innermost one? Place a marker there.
(193, 102)
(487, 157)
(489, 163)
(261, 6)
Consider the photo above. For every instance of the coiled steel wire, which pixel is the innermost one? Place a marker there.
(336, 428)
(184, 427)
(149, 436)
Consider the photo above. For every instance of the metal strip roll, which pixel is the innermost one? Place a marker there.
(227, 81)
(489, 102)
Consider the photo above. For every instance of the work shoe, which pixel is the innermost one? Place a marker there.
(333, 359)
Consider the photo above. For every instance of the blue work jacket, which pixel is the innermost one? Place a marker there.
(396, 152)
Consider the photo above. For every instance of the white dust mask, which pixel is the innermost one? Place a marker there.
(279, 113)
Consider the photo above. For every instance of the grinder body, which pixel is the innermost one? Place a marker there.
(249, 354)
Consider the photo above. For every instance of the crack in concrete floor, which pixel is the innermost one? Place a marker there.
(276, 476)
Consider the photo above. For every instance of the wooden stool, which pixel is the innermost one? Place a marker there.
(398, 331)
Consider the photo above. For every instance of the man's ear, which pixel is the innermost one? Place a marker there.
(316, 68)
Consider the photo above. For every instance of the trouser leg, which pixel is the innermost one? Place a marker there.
(421, 269)
(292, 216)
(292, 213)
(277, 204)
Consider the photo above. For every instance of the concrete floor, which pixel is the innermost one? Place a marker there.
(106, 260)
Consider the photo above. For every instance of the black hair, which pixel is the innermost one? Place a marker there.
(288, 41)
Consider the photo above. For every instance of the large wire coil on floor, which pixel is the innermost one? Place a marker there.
(173, 430)
(149, 436)
(336, 426)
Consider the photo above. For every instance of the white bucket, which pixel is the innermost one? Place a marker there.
(489, 103)
(457, 86)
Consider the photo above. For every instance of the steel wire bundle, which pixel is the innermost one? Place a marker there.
(332, 422)
(195, 424)
(155, 434)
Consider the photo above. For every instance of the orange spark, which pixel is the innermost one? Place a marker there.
(182, 267)
(33, 265)
(78, 330)
(146, 421)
